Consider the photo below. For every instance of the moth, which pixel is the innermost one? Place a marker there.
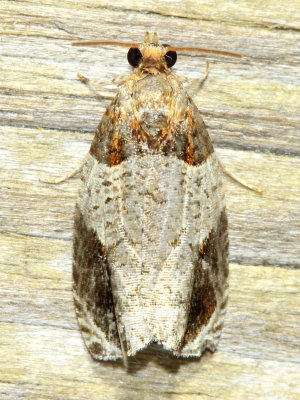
(150, 259)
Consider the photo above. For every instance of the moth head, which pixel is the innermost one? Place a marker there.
(151, 57)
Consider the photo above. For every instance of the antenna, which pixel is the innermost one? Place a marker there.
(170, 48)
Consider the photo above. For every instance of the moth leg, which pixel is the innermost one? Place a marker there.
(86, 81)
(83, 79)
(239, 180)
(196, 84)
(119, 80)
(66, 177)
(201, 80)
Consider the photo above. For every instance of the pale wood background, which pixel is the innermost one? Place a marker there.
(251, 107)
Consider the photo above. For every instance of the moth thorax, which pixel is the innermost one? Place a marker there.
(152, 123)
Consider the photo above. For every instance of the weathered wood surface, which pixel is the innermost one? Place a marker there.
(251, 107)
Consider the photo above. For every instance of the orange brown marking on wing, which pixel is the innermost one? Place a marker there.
(189, 151)
(109, 112)
(115, 157)
(165, 132)
(134, 125)
(202, 249)
(137, 132)
(190, 118)
(190, 154)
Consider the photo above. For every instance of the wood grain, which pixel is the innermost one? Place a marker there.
(251, 107)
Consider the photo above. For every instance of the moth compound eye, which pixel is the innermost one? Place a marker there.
(134, 56)
(170, 57)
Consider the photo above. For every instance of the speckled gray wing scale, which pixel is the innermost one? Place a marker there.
(150, 239)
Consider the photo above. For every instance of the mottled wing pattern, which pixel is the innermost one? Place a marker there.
(93, 293)
(150, 242)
